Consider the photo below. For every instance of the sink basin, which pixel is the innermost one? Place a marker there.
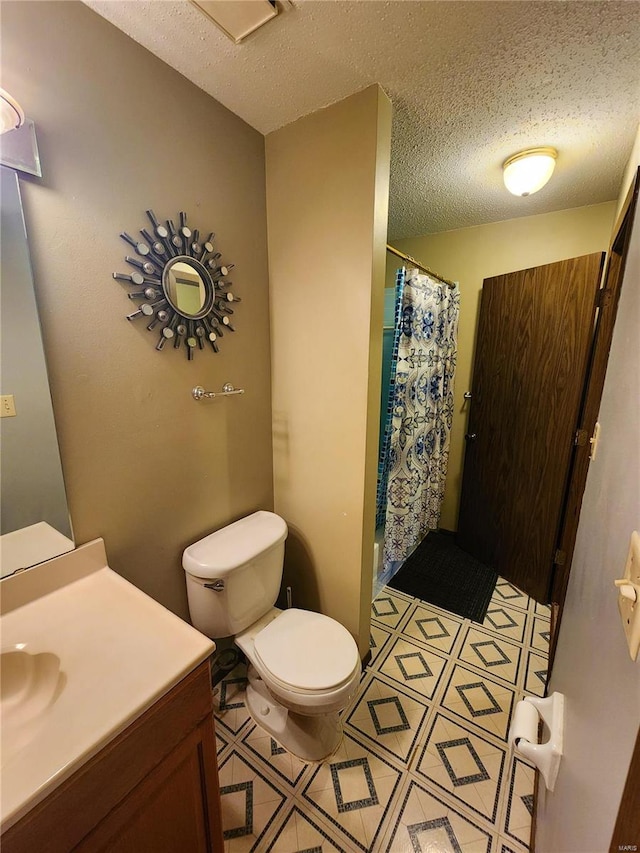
(29, 685)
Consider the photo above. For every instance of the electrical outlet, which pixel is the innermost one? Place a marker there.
(629, 596)
(7, 406)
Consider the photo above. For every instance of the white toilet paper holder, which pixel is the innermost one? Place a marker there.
(546, 756)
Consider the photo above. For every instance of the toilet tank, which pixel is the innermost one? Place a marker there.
(234, 574)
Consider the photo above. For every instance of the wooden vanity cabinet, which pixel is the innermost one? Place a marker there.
(153, 789)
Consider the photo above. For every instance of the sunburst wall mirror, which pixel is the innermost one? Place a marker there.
(185, 293)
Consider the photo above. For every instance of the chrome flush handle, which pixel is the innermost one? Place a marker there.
(216, 586)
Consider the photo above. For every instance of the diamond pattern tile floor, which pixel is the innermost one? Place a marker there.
(423, 764)
(498, 657)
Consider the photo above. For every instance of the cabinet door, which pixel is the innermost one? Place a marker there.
(170, 811)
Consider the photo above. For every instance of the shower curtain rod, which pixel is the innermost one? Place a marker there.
(420, 266)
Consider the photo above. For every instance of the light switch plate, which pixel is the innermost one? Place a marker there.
(593, 441)
(7, 406)
(629, 609)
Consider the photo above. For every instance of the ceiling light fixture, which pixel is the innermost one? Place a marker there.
(11, 114)
(527, 172)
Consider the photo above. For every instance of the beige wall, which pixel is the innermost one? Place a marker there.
(470, 255)
(593, 667)
(327, 189)
(146, 467)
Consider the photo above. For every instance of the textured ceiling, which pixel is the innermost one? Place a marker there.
(471, 83)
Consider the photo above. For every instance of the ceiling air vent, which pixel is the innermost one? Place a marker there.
(238, 18)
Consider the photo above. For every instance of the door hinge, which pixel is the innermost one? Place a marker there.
(602, 297)
(559, 557)
(581, 437)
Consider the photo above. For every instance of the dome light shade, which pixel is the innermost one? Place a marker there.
(527, 172)
(11, 114)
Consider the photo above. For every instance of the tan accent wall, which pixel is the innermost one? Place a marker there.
(146, 467)
(469, 255)
(327, 195)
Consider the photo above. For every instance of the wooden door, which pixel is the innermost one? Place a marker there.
(626, 832)
(534, 334)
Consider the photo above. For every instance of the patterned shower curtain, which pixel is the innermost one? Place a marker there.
(415, 449)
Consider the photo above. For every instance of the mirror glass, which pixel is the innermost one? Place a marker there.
(187, 288)
(35, 519)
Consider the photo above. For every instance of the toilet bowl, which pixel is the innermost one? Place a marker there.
(304, 667)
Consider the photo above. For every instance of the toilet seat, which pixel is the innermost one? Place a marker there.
(306, 652)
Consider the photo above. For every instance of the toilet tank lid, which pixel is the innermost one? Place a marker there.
(234, 545)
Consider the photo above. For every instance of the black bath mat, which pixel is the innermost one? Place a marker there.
(444, 575)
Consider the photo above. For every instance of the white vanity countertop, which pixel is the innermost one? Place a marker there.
(119, 652)
(31, 545)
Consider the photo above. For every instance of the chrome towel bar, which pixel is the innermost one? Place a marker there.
(198, 393)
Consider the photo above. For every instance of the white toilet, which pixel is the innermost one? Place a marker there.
(304, 667)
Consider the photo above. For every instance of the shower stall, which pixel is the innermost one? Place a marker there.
(416, 412)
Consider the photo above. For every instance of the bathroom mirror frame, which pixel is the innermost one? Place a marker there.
(181, 283)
